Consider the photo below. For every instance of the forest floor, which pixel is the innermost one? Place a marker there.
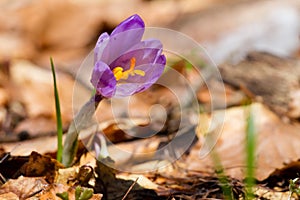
(245, 82)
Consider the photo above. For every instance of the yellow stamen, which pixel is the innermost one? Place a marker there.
(139, 72)
(120, 74)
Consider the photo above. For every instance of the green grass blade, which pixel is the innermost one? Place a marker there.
(250, 149)
(223, 179)
(58, 117)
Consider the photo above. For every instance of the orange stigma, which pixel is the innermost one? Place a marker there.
(123, 75)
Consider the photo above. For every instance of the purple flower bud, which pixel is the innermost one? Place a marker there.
(124, 64)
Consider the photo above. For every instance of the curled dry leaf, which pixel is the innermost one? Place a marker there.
(24, 187)
(39, 165)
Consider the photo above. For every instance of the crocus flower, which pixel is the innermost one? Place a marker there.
(124, 64)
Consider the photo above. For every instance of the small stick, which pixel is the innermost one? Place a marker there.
(130, 188)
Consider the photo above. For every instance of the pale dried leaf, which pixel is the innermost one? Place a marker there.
(141, 180)
(9, 196)
(277, 144)
(24, 187)
(265, 193)
(24, 148)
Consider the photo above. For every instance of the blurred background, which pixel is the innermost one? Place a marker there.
(67, 30)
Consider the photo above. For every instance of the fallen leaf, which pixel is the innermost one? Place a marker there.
(277, 143)
(141, 180)
(265, 193)
(40, 165)
(25, 148)
(24, 187)
(9, 196)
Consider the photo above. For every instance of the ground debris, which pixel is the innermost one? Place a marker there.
(195, 185)
(114, 188)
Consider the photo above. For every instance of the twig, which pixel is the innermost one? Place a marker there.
(130, 188)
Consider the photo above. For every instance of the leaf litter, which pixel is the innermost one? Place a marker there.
(276, 118)
(275, 160)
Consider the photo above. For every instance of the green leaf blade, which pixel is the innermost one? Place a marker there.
(58, 116)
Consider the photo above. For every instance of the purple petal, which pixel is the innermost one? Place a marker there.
(132, 22)
(100, 46)
(152, 72)
(124, 37)
(150, 43)
(148, 60)
(147, 52)
(137, 83)
(103, 79)
(161, 60)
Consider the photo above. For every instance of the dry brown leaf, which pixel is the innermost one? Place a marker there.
(141, 180)
(24, 148)
(265, 193)
(64, 175)
(9, 196)
(40, 165)
(24, 187)
(277, 144)
(33, 188)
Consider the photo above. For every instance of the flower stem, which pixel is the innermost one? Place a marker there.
(82, 120)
